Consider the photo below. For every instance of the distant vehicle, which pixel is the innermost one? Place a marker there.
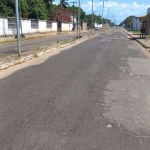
(97, 28)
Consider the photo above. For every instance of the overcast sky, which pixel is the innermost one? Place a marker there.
(120, 9)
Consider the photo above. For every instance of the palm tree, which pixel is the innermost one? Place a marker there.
(63, 4)
(48, 3)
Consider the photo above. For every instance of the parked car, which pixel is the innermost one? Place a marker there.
(97, 28)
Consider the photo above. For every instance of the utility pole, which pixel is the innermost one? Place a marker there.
(110, 17)
(79, 36)
(20, 18)
(102, 11)
(92, 19)
(73, 16)
(18, 28)
(108, 14)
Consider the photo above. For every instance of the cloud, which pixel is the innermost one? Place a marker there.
(120, 10)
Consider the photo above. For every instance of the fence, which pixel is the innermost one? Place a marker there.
(8, 26)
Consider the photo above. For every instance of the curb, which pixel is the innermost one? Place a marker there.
(35, 55)
(142, 44)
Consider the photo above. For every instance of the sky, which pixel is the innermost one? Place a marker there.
(118, 10)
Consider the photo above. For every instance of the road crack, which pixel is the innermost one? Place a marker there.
(139, 137)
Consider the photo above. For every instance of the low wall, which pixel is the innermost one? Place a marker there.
(26, 27)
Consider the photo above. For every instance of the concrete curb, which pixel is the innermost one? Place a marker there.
(7, 65)
(145, 46)
(15, 62)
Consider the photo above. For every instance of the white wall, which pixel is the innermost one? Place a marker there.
(67, 26)
(54, 26)
(136, 23)
(75, 19)
(4, 26)
(26, 27)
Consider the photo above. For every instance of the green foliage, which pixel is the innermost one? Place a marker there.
(37, 9)
(121, 24)
(96, 19)
(82, 12)
(23, 7)
(63, 4)
(7, 8)
(52, 12)
(128, 22)
(41, 9)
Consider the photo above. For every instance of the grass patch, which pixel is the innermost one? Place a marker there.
(137, 32)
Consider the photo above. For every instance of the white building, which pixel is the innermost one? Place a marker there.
(8, 26)
(74, 18)
(136, 23)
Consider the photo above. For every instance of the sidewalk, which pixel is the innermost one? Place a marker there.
(143, 42)
(13, 60)
(35, 35)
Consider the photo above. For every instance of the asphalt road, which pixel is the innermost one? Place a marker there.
(93, 96)
(34, 44)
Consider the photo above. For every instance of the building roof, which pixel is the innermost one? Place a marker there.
(144, 18)
(63, 15)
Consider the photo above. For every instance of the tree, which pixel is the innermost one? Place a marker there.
(7, 8)
(37, 9)
(88, 19)
(63, 4)
(128, 22)
(82, 13)
(48, 3)
(23, 7)
(52, 12)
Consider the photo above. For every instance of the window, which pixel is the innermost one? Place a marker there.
(48, 24)
(34, 24)
(11, 23)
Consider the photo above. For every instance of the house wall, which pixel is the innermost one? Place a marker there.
(54, 26)
(83, 25)
(146, 25)
(63, 15)
(42, 27)
(136, 24)
(67, 26)
(75, 20)
(26, 27)
(148, 10)
(3, 26)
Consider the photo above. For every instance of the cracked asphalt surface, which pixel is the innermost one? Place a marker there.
(93, 96)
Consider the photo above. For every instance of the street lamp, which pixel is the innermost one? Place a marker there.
(18, 28)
